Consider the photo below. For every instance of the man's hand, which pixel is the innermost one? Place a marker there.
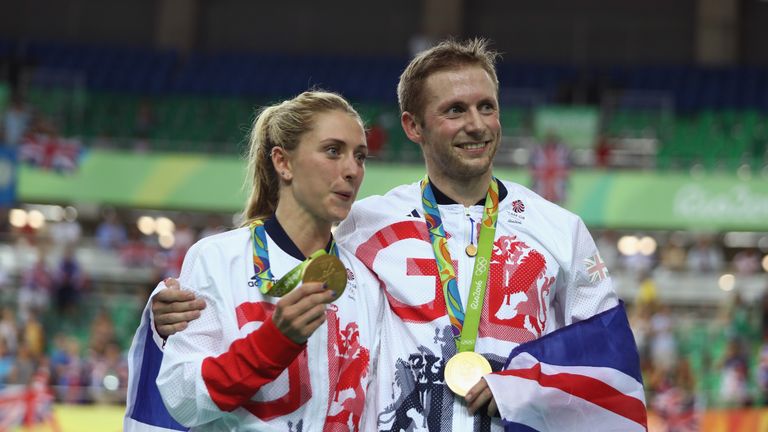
(300, 312)
(173, 308)
(480, 395)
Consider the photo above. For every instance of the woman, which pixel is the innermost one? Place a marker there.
(245, 363)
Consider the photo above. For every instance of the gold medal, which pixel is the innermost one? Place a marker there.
(464, 370)
(328, 269)
(471, 250)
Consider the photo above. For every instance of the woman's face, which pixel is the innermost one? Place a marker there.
(328, 166)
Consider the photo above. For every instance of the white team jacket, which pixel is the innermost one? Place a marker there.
(231, 369)
(545, 273)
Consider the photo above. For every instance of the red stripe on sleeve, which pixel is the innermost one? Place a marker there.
(233, 377)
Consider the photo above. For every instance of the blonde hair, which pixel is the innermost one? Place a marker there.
(448, 54)
(282, 125)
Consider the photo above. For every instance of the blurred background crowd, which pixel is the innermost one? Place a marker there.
(592, 92)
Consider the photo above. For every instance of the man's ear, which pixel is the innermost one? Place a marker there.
(282, 163)
(411, 126)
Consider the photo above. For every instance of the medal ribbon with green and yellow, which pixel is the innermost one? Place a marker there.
(463, 325)
(264, 279)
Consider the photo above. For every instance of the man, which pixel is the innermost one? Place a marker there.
(458, 234)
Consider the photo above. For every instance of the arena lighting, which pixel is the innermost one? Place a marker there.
(146, 224)
(765, 263)
(726, 282)
(164, 226)
(763, 243)
(52, 213)
(17, 218)
(737, 239)
(36, 219)
(628, 245)
(647, 245)
(111, 382)
(521, 156)
(166, 240)
(70, 214)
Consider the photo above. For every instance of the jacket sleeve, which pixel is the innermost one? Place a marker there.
(207, 371)
(588, 288)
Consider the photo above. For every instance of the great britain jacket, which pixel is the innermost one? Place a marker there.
(232, 369)
(545, 273)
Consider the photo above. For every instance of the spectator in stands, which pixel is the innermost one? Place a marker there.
(33, 336)
(102, 331)
(108, 374)
(673, 253)
(734, 372)
(6, 363)
(674, 398)
(36, 288)
(66, 232)
(16, 121)
(376, 136)
(704, 256)
(136, 252)
(746, 262)
(68, 370)
(607, 245)
(663, 342)
(69, 283)
(9, 330)
(111, 233)
(143, 125)
(23, 368)
(603, 150)
(762, 370)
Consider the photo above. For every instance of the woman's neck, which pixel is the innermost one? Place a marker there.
(307, 232)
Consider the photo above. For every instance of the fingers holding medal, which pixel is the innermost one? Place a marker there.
(329, 270)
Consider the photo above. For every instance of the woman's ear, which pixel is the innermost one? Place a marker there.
(282, 162)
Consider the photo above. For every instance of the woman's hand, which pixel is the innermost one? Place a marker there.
(300, 312)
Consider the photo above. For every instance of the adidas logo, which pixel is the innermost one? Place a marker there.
(414, 213)
(252, 282)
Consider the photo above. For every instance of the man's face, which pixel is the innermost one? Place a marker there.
(459, 129)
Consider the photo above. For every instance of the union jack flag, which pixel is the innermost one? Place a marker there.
(584, 377)
(550, 172)
(596, 268)
(52, 153)
(27, 405)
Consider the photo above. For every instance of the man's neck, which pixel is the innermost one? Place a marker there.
(463, 191)
(307, 232)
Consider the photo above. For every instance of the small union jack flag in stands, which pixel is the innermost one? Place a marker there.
(53, 153)
(596, 268)
(550, 171)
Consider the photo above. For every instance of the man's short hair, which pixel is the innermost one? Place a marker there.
(448, 54)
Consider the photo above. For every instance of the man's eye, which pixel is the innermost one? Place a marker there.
(488, 108)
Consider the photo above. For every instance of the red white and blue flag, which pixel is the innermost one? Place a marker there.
(50, 153)
(584, 377)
